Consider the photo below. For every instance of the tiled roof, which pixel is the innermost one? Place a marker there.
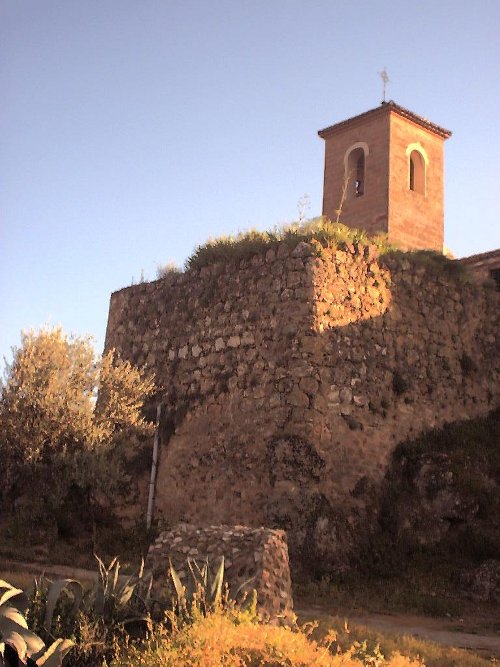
(384, 108)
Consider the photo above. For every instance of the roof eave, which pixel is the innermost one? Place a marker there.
(387, 107)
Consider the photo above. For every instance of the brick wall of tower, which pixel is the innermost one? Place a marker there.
(368, 212)
(416, 221)
(411, 219)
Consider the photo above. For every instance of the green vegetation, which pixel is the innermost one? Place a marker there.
(58, 440)
(109, 623)
(423, 588)
(166, 271)
(94, 617)
(434, 263)
(477, 438)
(205, 591)
(320, 232)
(399, 574)
(19, 644)
(62, 444)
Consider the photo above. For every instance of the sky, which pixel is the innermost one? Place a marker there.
(133, 130)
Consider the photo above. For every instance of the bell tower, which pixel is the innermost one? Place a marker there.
(384, 172)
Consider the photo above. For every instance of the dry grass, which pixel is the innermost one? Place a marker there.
(433, 655)
(320, 232)
(235, 641)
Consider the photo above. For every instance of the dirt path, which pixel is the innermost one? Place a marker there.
(438, 630)
(56, 571)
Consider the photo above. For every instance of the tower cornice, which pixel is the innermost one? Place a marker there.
(386, 108)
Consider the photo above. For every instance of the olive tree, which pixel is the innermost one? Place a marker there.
(65, 413)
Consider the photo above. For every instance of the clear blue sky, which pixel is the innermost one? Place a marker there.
(132, 130)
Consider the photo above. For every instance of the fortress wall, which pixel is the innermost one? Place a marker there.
(218, 340)
(288, 379)
(213, 333)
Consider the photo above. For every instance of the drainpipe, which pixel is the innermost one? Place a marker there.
(152, 481)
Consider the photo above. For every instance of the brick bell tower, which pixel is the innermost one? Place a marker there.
(384, 171)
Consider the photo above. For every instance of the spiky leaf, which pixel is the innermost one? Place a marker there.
(55, 591)
(179, 587)
(54, 655)
(11, 620)
(125, 595)
(11, 615)
(10, 593)
(235, 590)
(216, 588)
(16, 641)
(115, 575)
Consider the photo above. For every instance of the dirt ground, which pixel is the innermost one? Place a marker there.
(473, 633)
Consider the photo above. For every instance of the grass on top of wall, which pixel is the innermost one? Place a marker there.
(434, 263)
(320, 232)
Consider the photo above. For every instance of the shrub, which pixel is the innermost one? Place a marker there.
(63, 413)
(399, 383)
(206, 592)
(116, 605)
(467, 364)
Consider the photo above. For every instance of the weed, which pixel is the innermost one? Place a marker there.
(374, 644)
(167, 271)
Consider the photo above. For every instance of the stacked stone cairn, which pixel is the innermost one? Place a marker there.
(258, 556)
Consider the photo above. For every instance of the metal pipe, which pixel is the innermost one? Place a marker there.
(152, 481)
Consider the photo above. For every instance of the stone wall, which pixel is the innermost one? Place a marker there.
(254, 558)
(287, 380)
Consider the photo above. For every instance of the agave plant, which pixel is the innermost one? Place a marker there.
(47, 596)
(205, 591)
(20, 644)
(120, 598)
(115, 599)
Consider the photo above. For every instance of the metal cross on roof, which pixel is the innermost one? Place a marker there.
(385, 79)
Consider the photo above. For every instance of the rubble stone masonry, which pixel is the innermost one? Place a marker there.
(288, 378)
(254, 559)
